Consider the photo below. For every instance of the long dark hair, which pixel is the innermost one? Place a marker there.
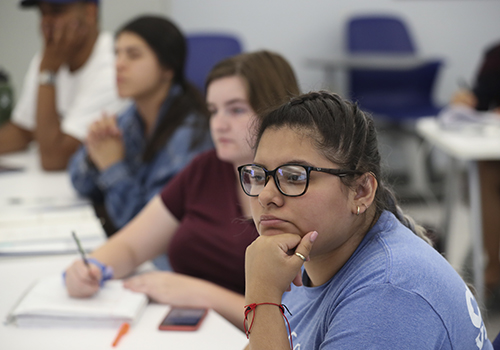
(169, 45)
(345, 135)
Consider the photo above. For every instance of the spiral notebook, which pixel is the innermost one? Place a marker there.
(47, 304)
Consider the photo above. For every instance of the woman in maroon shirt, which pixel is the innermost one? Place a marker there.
(202, 217)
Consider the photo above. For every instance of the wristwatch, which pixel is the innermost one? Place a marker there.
(47, 77)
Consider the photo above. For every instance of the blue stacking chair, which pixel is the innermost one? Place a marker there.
(394, 94)
(397, 96)
(378, 34)
(204, 50)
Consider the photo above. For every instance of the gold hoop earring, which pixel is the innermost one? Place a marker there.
(357, 212)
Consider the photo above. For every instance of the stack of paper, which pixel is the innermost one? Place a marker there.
(462, 118)
(49, 232)
(47, 304)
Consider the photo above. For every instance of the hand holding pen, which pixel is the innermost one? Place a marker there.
(82, 278)
(82, 253)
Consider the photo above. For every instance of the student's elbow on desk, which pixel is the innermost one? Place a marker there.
(9, 148)
(13, 138)
(52, 161)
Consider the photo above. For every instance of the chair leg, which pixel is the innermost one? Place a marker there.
(476, 230)
(419, 173)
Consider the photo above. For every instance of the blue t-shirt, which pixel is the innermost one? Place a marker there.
(395, 292)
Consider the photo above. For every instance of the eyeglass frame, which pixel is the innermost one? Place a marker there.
(272, 173)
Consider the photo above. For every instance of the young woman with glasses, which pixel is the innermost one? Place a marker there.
(202, 217)
(362, 274)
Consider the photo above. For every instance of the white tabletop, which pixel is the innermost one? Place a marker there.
(17, 274)
(473, 143)
(35, 190)
(35, 202)
(32, 185)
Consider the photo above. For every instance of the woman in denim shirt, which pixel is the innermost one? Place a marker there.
(127, 160)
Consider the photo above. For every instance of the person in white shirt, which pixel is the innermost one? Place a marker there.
(68, 85)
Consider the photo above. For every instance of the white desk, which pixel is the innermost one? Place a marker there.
(470, 147)
(32, 189)
(33, 201)
(17, 274)
(33, 185)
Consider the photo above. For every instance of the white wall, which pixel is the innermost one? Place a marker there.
(19, 38)
(457, 30)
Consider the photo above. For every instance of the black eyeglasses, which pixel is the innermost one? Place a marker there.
(292, 180)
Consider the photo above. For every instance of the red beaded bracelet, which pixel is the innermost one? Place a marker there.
(252, 307)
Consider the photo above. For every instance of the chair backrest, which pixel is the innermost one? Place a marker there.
(396, 94)
(204, 50)
(378, 34)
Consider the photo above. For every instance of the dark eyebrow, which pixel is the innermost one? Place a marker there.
(134, 48)
(129, 49)
(299, 162)
(293, 161)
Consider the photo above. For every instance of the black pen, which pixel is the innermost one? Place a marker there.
(82, 253)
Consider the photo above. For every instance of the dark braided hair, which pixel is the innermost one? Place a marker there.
(345, 135)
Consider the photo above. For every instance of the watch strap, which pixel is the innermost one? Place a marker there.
(106, 271)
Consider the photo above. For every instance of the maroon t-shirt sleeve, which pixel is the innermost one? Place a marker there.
(212, 236)
(175, 193)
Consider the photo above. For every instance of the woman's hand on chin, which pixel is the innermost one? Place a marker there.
(272, 263)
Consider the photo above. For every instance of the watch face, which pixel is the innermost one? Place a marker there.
(47, 78)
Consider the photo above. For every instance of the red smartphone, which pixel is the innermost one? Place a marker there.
(183, 319)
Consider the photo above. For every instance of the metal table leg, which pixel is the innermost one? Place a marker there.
(476, 229)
